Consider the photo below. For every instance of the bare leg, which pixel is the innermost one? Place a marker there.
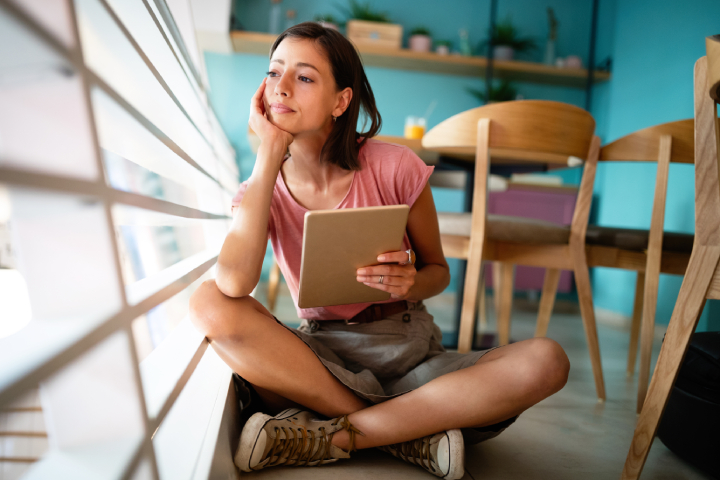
(286, 372)
(519, 376)
(279, 364)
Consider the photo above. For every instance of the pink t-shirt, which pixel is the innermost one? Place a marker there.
(390, 175)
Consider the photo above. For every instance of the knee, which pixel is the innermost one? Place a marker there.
(547, 366)
(204, 305)
(210, 310)
(218, 316)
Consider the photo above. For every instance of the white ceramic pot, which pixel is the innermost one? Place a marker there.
(573, 61)
(420, 43)
(442, 50)
(503, 52)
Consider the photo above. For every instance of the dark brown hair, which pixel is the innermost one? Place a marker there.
(341, 147)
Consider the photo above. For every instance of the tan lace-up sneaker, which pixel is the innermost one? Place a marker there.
(293, 437)
(442, 454)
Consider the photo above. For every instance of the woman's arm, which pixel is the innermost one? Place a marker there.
(242, 253)
(430, 275)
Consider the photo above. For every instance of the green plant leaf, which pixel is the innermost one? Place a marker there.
(502, 93)
(420, 31)
(363, 11)
(506, 34)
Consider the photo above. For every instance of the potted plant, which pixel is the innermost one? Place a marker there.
(328, 21)
(506, 41)
(366, 27)
(420, 39)
(442, 47)
(502, 93)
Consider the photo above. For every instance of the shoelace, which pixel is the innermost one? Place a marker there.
(346, 425)
(415, 451)
(285, 449)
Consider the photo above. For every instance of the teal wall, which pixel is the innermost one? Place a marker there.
(653, 45)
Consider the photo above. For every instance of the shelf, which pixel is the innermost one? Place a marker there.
(404, 59)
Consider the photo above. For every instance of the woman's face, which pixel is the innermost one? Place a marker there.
(301, 94)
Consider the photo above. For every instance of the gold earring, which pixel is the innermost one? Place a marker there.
(334, 119)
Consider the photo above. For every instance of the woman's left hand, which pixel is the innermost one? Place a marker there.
(397, 277)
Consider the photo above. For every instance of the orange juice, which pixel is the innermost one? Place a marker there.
(414, 131)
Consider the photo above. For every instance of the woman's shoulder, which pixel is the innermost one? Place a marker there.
(396, 169)
(378, 149)
(379, 156)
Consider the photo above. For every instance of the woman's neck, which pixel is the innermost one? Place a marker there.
(304, 165)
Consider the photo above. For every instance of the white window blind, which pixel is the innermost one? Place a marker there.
(115, 188)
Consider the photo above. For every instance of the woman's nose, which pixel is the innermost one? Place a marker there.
(282, 87)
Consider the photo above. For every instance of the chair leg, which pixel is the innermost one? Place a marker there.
(482, 303)
(635, 326)
(497, 281)
(507, 271)
(547, 301)
(466, 333)
(647, 332)
(273, 285)
(699, 274)
(582, 282)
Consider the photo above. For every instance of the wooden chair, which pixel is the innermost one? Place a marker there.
(530, 131)
(702, 277)
(649, 252)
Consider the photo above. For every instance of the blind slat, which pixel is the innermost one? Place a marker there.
(167, 369)
(195, 265)
(29, 179)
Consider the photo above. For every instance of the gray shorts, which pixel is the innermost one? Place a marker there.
(390, 357)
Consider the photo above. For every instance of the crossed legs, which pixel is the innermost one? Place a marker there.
(285, 372)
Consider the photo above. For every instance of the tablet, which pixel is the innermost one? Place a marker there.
(338, 242)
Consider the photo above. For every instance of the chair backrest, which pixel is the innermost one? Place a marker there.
(707, 186)
(664, 143)
(712, 45)
(528, 130)
(644, 145)
(536, 131)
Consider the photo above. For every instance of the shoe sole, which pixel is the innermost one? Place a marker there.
(456, 468)
(250, 434)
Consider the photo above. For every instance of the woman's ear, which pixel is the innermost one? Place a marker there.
(343, 103)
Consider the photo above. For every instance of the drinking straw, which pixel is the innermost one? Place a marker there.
(430, 109)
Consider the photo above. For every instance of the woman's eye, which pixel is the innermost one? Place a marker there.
(270, 74)
(305, 78)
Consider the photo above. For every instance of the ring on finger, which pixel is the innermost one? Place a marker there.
(410, 260)
(381, 279)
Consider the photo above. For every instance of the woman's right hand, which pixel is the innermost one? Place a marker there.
(270, 135)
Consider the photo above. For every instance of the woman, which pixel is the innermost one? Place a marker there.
(376, 374)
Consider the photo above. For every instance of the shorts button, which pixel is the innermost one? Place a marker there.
(406, 318)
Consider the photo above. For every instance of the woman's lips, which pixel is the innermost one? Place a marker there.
(280, 108)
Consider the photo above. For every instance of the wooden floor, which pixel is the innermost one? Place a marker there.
(568, 436)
